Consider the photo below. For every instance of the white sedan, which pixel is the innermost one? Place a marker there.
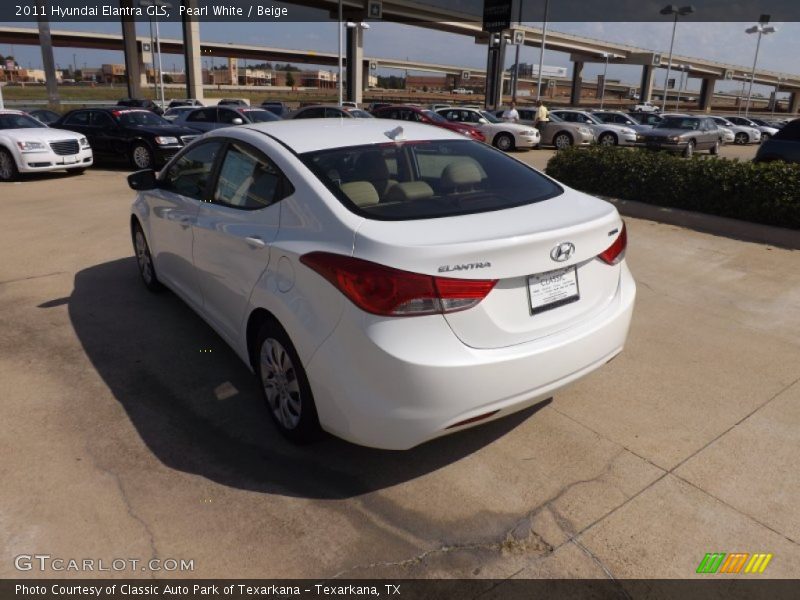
(29, 146)
(389, 287)
(501, 134)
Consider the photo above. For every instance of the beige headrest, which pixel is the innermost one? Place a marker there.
(362, 193)
(460, 174)
(409, 190)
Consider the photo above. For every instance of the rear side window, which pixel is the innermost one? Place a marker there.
(78, 118)
(189, 175)
(311, 113)
(248, 180)
(205, 115)
(790, 132)
(421, 180)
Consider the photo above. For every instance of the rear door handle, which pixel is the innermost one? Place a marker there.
(255, 242)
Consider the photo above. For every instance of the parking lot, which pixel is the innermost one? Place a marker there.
(136, 433)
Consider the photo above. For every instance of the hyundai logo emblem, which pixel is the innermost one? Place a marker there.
(562, 252)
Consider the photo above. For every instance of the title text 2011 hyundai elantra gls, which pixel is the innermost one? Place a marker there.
(388, 282)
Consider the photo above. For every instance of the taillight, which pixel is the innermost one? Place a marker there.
(616, 251)
(382, 290)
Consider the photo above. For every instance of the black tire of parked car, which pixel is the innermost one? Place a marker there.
(607, 139)
(141, 156)
(741, 138)
(689, 150)
(272, 339)
(765, 137)
(714, 149)
(504, 141)
(8, 168)
(562, 140)
(144, 259)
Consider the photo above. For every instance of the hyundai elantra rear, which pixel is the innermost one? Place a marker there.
(405, 284)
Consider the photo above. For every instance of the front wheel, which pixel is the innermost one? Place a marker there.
(689, 151)
(562, 141)
(741, 139)
(504, 142)
(284, 385)
(145, 260)
(607, 139)
(142, 156)
(8, 168)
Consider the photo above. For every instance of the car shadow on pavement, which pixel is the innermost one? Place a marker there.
(197, 407)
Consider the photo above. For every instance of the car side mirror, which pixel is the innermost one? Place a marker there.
(237, 121)
(483, 121)
(143, 180)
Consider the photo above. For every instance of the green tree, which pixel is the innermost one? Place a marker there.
(289, 79)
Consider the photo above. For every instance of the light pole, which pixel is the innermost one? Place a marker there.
(761, 29)
(541, 50)
(605, 73)
(157, 3)
(341, 51)
(670, 9)
(516, 60)
(683, 84)
(777, 89)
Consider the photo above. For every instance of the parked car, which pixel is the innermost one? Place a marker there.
(276, 107)
(462, 91)
(412, 289)
(616, 117)
(685, 135)
(436, 106)
(644, 118)
(211, 117)
(349, 104)
(767, 131)
(556, 132)
(728, 137)
(421, 115)
(176, 102)
(172, 114)
(606, 134)
(29, 146)
(141, 103)
(784, 145)
(44, 115)
(134, 135)
(330, 111)
(646, 107)
(232, 102)
(498, 133)
(742, 134)
(776, 123)
(373, 106)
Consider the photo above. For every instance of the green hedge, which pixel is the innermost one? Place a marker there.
(766, 193)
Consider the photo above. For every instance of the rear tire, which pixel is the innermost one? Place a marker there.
(504, 142)
(714, 149)
(8, 168)
(284, 385)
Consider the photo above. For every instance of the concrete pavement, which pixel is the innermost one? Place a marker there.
(130, 429)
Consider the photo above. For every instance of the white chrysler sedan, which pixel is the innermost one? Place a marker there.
(387, 286)
(29, 146)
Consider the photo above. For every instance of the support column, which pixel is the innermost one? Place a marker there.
(49, 63)
(794, 102)
(193, 64)
(354, 61)
(646, 85)
(707, 93)
(495, 60)
(577, 83)
(131, 50)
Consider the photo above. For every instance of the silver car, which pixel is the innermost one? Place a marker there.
(742, 134)
(617, 117)
(606, 134)
(767, 130)
(556, 132)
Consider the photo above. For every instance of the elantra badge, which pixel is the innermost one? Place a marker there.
(562, 252)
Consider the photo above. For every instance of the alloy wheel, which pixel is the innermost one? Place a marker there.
(6, 166)
(141, 157)
(281, 386)
(143, 257)
(562, 141)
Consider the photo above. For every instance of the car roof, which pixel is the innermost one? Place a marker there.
(309, 135)
(11, 111)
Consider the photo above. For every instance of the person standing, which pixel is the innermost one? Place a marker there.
(542, 115)
(511, 115)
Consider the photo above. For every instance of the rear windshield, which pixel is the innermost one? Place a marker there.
(430, 179)
(679, 123)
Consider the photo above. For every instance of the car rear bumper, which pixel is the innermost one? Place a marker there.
(396, 383)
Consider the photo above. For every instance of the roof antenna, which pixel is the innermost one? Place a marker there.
(395, 134)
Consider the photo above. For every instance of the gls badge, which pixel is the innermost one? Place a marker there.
(562, 252)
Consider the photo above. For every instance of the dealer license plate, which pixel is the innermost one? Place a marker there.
(553, 289)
